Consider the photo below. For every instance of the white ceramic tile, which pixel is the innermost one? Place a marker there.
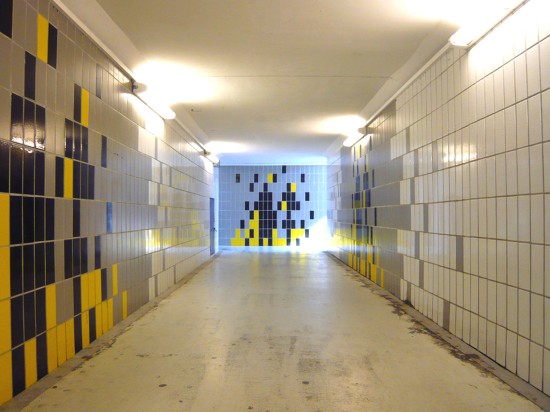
(500, 132)
(511, 351)
(523, 358)
(509, 84)
(523, 170)
(533, 70)
(535, 369)
(482, 212)
(512, 263)
(491, 340)
(501, 173)
(545, 63)
(536, 169)
(537, 217)
(524, 265)
(511, 127)
(537, 318)
(547, 270)
(546, 118)
(520, 69)
(546, 373)
(498, 90)
(501, 304)
(534, 106)
(501, 218)
(524, 313)
(537, 269)
(512, 309)
(512, 218)
(522, 124)
(524, 219)
(492, 259)
(501, 345)
(546, 162)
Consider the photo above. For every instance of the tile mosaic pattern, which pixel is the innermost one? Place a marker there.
(271, 205)
(448, 205)
(102, 205)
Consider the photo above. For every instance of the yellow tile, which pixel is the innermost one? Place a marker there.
(111, 314)
(382, 277)
(61, 344)
(51, 306)
(247, 234)
(85, 329)
(274, 234)
(51, 339)
(265, 242)
(283, 205)
(98, 321)
(85, 114)
(5, 291)
(105, 316)
(97, 287)
(256, 215)
(4, 219)
(70, 338)
(237, 233)
(254, 242)
(85, 292)
(270, 178)
(293, 187)
(5, 326)
(91, 289)
(31, 372)
(237, 242)
(42, 38)
(124, 305)
(68, 181)
(5, 377)
(115, 280)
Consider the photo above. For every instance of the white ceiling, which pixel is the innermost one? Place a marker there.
(278, 68)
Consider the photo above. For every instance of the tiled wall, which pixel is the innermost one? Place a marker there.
(102, 205)
(448, 205)
(272, 205)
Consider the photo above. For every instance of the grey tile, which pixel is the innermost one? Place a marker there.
(5, 114)
(5, 62)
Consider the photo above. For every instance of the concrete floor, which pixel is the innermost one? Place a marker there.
(276, 332)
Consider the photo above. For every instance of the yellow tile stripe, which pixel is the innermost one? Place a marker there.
(5, 326)
(293, 187)
(115, 280)
(270, 178)
(42, 38)
(85, 108)
(31, 373)
(124, 304)
(68, 181)
(51, 307)
(5, 377)
(51, 339)
(85, 329)
(4, 219)
(85, 292)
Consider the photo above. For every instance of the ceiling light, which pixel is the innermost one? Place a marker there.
(218, 147)
(351, 140)
(482, 20)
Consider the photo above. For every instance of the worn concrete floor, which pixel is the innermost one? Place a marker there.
(276, 332)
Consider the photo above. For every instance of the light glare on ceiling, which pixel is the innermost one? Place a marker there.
(346, 125)
(219, 147)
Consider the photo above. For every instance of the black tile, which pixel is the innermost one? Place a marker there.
(247, 242)
(251, 189)
(50, 263)
(40, 128)
(6, 17)
(30, 76)
(284, 169)
(16, 170)
(50, 219)
(302, 224)
(39, 216)
(256, 205)
(246, 205)
(28, 172)
(109, 217)
(68, 249)
(307, 196)
(288, 214)
(69, 138)
(16, 270)
(76, 180)
(77, 295)
(59, 177)
(265, 187)
(28, 219)
(103, 151)
(98, 81)
(39, 173)
(84, 181)
(97, 248)
(237, 178)
(29, 130)
(275, 178)
(78, 333)
(251, 233)
(256, 178)
(103, 284)
(297, 242)
(242, 224)
(40, 311)
(307, 233)
(18, 370)
(303, 178)
(52, 46)
(39, 265)
(77, 260)
(311, 214)
(91, 182)
(41, 356)
(77, 103)
(4, 166)
(29, 310)
(251, 215)
(92, 325)
(289, 187)
(76, 218)
(84, 255)
(16, 118)
(85, 144)
(77, 142)
(16, 220)
(298, 205)
(28, 268)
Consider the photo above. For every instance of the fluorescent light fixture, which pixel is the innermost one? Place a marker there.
(351, 140)
(218, 147)
(149, 98)
(211, 157)
(483, 19)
